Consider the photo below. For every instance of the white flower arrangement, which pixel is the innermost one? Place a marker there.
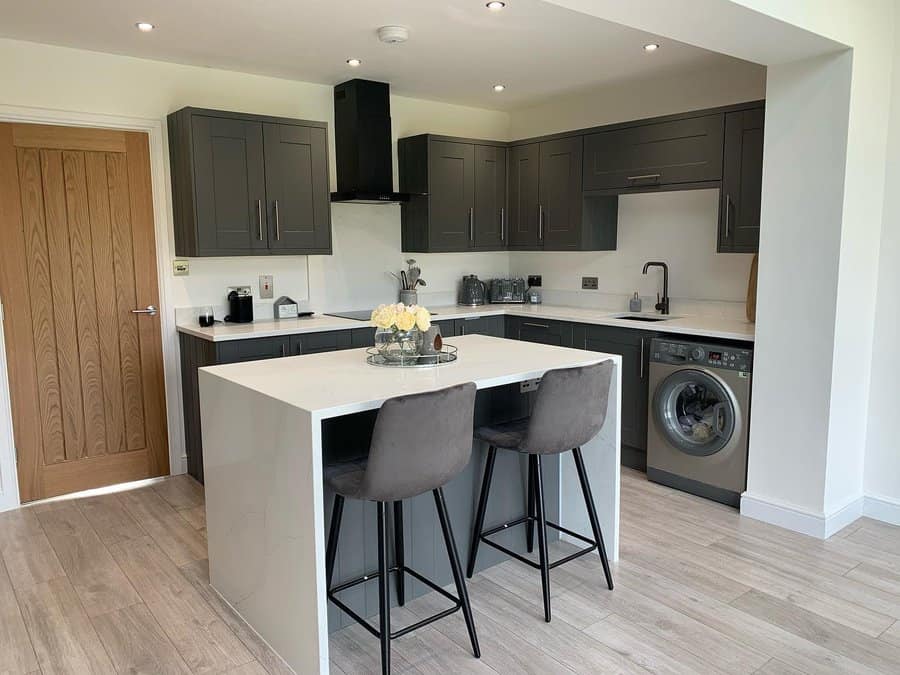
(400, 317)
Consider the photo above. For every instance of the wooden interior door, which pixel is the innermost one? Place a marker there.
(77, 258)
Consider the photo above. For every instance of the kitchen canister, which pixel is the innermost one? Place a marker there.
(409, 297)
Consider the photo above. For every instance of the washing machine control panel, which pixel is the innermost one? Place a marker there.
(711, 355)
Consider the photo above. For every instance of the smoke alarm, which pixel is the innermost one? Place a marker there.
(393, 35)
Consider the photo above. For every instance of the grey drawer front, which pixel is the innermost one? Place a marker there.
(313, 343)
(235, 351)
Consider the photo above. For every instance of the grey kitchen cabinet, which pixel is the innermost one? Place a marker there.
(314, 343)
(248, 184)
(362, 337)
(741, 190)
(560, 210)
(197, 353)
(457, 194)
(524, 196)
(650, 156)
(480, 325)
(546, 332)
(634, 348)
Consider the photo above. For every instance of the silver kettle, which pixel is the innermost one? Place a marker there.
(472, 292)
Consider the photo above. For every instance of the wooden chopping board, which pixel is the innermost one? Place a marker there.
(751, 290)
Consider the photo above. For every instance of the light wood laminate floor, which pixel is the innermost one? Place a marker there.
(119, 583)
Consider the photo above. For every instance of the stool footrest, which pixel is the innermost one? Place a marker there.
(531, 563)
(372, 576)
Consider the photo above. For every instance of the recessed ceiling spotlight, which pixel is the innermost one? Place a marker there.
(495, 5)
(499, 87)
(652, 47)
(144, 27)
(354, 63)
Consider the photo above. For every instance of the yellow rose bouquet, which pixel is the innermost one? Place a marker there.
(396, 329)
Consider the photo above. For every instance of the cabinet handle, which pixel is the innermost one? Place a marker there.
(471, 224)
(259, 218)
(277, 223)
(727, 216)
(283, 350)
(502, 235)
(646, 176)
(463, 329)
(540, 222)
(642, 358)
(536, 325)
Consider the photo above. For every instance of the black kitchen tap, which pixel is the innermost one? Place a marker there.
(663, 303)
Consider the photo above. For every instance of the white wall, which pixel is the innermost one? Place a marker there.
(882, 465)
(678, 228)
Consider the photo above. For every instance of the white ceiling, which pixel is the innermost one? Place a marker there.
(456, 51)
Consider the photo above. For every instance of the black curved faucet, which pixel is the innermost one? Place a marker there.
(663, 303)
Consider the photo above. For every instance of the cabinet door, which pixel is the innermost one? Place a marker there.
(524, 179)
(559, 227)
(299, 211)
(480, 325)
(362, 337)
(315, 343)
(558, 333)
(741, 191)
(652, 155)
(451, 186)
(235, 351)
(490, 197)
(634, 348)
(229, 180)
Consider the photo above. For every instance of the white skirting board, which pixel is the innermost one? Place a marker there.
(817, 524)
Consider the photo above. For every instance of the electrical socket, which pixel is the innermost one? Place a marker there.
(529, 385)
(534, 280)
(589, 283)
(181, 267)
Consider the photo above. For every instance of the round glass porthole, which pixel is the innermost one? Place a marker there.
(695, 412)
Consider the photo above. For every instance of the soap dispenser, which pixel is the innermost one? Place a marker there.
(634, 305)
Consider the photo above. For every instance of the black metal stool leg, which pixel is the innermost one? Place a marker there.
(384, 595)
(542, 532)
(529, 524)
(399, 560)
(331, 551)
(482, 507)
(592, 514)
(456, 568)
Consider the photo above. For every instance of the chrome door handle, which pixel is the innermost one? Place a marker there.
(536, 325)
(646, 176)
(642, 358)
(727, 216)
(277, 223)
(502, 236)
(471, 224)
(150, 309)
(259, 218)
(540, 222)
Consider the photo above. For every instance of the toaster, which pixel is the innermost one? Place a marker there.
(507, 290)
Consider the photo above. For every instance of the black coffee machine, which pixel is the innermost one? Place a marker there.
(240, 305)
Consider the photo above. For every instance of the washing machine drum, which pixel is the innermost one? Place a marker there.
(695, 412)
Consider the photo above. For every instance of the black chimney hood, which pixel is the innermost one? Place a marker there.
(362, 139)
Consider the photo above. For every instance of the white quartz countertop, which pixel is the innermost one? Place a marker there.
(340, 383)
(701, 326)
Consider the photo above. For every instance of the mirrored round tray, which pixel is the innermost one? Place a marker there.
(446, 355)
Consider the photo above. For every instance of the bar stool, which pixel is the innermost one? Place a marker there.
(569, 410)
(419, 443)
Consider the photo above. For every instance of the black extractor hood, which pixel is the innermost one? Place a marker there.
(362, 139)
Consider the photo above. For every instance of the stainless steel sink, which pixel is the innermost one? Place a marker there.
(642, 317)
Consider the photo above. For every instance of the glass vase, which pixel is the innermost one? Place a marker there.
(397, 345)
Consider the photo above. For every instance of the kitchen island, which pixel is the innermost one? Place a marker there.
(269, 426)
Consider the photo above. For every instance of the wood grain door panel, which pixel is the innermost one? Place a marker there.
(79, 255)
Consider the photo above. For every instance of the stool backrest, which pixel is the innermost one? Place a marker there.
(420, 442)
(570, 408)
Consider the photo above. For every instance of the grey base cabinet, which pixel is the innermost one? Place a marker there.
(559, 333)
(481, 325)
(198, 353)
(248, 184)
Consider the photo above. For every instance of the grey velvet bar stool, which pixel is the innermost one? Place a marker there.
(419, 443)
(569, 410)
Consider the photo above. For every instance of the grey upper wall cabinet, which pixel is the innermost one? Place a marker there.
(458, 194)
(655, 156)
(248, 184)
(524, 196)
(560, 194)
(741, 190)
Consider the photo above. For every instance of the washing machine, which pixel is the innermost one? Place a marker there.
(699, 417)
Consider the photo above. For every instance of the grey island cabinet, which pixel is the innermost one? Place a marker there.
(248, 184)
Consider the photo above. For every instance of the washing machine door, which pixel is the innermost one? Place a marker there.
(695, 412)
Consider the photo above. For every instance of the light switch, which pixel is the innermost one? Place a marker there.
(181, 268)
(265, 286)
